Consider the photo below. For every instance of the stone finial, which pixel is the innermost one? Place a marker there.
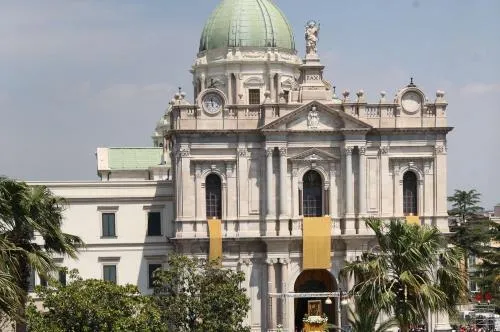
(183, 95)
(382, 97)
(346, 94)
(361, 96)
(440, 96)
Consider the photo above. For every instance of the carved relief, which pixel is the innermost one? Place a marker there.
(243, 153)
(184, 152)
(362, 150)
(269, 152)
(283, 151)
(384, 149)
(348, 150)
(440, 149)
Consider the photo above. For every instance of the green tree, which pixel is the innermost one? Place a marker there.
(464, 204)
(475, 235)
(91, 306)
(365, 318)
(409, 273)
(26, 211)
(196, 296)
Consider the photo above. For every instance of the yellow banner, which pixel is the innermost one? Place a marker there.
(413, 220)
(215, 236)
(316, 245)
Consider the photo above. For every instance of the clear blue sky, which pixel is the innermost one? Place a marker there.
(80, 74)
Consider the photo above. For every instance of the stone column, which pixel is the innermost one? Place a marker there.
(349, 192)
(271, 288)
(271, 213)
(283, 187)
(284, 289)
(362, 181)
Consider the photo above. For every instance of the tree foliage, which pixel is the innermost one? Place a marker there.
(475, 234)
(196, 296)
(91, 306)
(464, 204)
(26, 211)
(409, 273)
(365, 318)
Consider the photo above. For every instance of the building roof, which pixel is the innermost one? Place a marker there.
(130, 158)
(247, 23)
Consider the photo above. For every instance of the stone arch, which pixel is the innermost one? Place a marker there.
(320, 169)
(306, 281)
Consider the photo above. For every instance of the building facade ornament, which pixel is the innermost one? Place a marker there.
(362, 150)
(312, 37)
(242, 152)
(283, 151)
(384, 149)
(269, 152)
(184, 152)
(440, 149)
(348, 149)
(313, 118)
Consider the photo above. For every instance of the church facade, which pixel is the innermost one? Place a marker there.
(266, 168)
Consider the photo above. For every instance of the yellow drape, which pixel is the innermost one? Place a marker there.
(414, 220)
(215, 236)
(316, 245)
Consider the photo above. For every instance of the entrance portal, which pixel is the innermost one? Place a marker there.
(317, 281)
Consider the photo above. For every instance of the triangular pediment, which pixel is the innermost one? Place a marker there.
(315, 116)
(315, 154)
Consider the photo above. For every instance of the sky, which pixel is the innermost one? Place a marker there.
(80, 74)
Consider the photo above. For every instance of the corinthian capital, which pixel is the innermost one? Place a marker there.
(283, 151)
(362, 150)
(269, 152)
(348, 149)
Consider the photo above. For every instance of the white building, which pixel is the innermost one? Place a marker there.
(268, 153)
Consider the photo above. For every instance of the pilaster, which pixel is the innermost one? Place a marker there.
(271, 212)
(349, 191)
(362, 181)
(242, 171)
(283, 183)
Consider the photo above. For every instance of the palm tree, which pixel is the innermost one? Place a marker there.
(366, 318)
(409, 273)
(27, 212)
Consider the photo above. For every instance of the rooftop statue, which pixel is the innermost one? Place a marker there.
(312, 33)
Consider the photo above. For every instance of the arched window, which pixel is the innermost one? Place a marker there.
(312, 196)
(213, 196)
(410, 193)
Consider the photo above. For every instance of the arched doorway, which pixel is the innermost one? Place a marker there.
(317, 281)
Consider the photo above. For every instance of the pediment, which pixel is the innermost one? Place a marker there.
(315, 116)
(315, 154)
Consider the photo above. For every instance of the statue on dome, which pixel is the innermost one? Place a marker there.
(312, 36)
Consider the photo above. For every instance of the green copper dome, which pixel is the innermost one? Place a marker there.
(247, 23)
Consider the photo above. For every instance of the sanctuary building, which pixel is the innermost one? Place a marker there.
(266, 168)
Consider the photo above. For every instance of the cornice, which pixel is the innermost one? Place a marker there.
(115, 199)
(100, 184)
(438, 130)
